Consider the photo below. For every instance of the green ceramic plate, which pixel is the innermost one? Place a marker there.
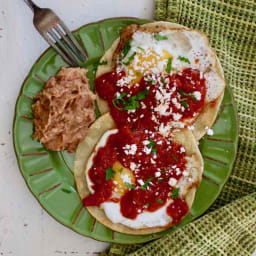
(49, 174)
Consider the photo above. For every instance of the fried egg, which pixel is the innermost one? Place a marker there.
(151, 52)
(146, 219)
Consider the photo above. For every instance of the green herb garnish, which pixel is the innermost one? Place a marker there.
(66, 190)
(132, 102)
(141, 48)
(119, 100)
(127, 48)
(188, 94)
(174, 157)
(130, 59)
(129, 185)
(159, 37)
(97, 110)
(147, 205)
(151, 143)
(163, 81)
(175, 193)
(184, 59)
(151, 81)
(184, 102)
(110, 173)
(160, 180)
(154, 151)
(169, 66)
(146, 184)
(159, 201)
(163, 172)
(141, 95)
(121, 169)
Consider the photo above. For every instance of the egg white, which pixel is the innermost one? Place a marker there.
(102, 142)
(157, 218)
(189, 44)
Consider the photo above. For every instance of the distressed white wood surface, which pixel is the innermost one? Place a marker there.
(25, 228)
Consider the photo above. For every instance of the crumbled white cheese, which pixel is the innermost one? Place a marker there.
(209, 132)
(130, 149)
(141, 182)
(182, 150)
(157, 174)
(176, 116)
(197, 95)
(191, 127)
(152, 161)
(145, 142)
(133, 166)
(147, 150)
(172, 182)
(178, 172)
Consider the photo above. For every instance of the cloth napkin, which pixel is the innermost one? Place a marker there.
(229, 226)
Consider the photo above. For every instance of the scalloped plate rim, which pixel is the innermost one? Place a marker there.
(17, 153)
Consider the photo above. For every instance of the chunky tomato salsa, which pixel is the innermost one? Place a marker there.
(156, 165)
(155, 101)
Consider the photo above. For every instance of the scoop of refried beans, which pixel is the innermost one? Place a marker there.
(63, 110)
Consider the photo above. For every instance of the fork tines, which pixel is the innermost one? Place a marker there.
(68, 48)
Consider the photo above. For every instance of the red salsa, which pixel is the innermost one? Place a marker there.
(156, 162)
(155, 100)
(153, 163)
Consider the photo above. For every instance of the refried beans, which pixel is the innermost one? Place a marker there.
(63, 110)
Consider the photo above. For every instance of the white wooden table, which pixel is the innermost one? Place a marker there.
(25, 228)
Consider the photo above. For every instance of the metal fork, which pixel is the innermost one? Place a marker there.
(53, 29)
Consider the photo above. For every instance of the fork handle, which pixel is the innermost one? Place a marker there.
(32, 5)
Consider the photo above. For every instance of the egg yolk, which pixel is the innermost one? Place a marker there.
(147, 62)
(122, 174)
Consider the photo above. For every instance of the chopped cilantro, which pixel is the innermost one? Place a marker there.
(160, 180)
(66, 190)
(174, 157)
(159, 201)
(142, 95)
(119, 100)
(163, 81)
(154, 151)
(110, 173)
(163, 172)
(133, 130)
(151, 143)
(130, 59)
(141, 48)
(129, 185)
(147, 205)
(184, 102)
(188, 94)
(175, 193)
(132, 102)
(96, 110)
(151, 81)
(159, 37)
(169, 66)
(127, 48)
(184, 59)
(146, 184)
(121, 169)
